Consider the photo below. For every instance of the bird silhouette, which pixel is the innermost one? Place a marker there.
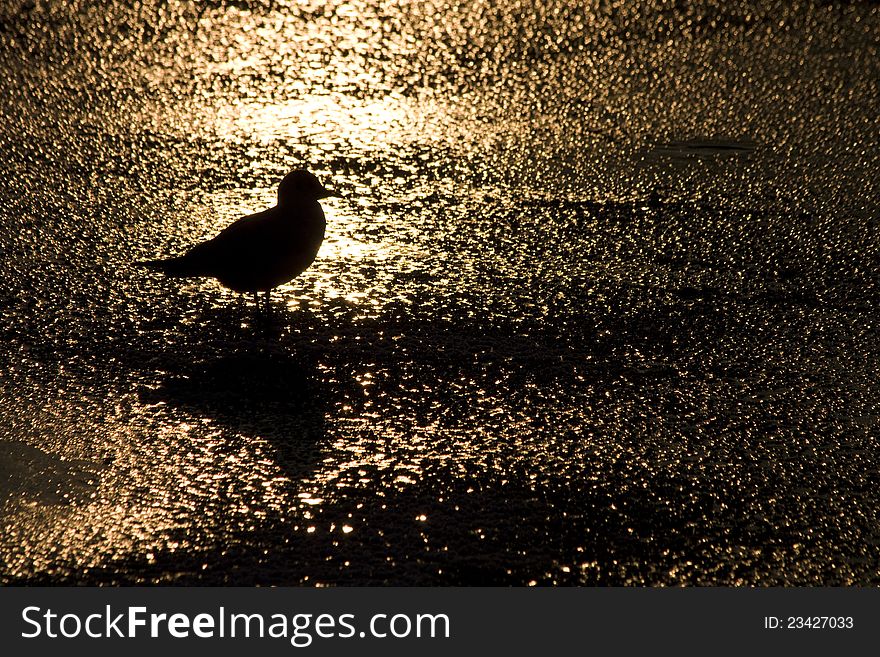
(263, 250)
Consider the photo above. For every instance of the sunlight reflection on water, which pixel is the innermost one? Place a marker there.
(578, 296)
(322, 122)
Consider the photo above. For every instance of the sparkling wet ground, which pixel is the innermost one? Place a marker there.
(597, 305)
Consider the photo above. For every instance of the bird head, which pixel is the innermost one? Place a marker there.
(300, 185)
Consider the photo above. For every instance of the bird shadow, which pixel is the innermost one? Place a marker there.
(244, 379)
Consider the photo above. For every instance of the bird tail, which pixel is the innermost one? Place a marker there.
(169, 266)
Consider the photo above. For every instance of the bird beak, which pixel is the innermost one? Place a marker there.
(327, 193)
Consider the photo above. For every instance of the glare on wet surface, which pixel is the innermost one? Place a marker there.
(595, 305)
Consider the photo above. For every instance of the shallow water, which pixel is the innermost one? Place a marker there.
(597, 304)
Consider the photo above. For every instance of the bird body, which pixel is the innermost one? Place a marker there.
(263, 250)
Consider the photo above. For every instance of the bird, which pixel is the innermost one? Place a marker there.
(263, 250)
